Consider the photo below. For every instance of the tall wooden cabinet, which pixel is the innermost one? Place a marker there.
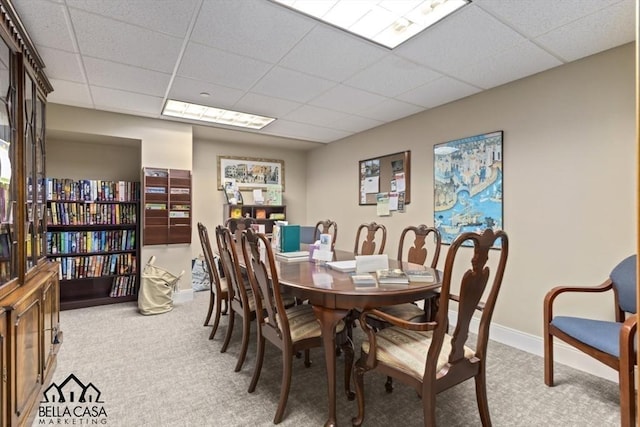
(29, 287)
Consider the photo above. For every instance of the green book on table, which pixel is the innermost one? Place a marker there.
(289, 238)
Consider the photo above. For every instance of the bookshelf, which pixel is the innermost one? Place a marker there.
(264, 214)
(167, 206)
(93, 233)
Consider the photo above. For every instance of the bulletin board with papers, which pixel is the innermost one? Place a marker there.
(385, 178)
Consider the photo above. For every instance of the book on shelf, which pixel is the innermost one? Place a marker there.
(420, 276)
(155, 190)
(261, 214)
(365, 280)
(343, 266)
(392, 276)
(236, 213)
(156, 206)
(289, 238)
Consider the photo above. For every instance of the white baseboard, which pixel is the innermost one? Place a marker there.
(183, 295)
(563, 353)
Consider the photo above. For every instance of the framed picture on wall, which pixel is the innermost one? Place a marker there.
(468, 185)
(250, 173)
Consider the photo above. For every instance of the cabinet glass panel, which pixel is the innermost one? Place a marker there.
(29, 133)
(40, 201)
(8, 243)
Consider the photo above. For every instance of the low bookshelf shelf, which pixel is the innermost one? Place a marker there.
(264, 214)
(93, 233)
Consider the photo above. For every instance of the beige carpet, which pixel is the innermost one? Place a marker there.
(163, 371)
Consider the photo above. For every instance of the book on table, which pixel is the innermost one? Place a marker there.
(392, 276)
(343, 266)
(292, 256)
(365, 280)
(420, 276)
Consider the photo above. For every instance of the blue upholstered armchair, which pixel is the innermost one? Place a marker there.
(610, 342)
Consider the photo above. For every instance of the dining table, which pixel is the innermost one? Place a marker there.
(333, 295)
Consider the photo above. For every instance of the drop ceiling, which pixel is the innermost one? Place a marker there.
(321, 83)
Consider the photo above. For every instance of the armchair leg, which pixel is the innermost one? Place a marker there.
(548, 357)
(259, 359)
(287, 361)
(210, 310)
(627, 395)
(388, 386)
(216, 321)
(227, 337)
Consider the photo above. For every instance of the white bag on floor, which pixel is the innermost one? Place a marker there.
(157, 288)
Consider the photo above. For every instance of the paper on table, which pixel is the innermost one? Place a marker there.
(371, 263)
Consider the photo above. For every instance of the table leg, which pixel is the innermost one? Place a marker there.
(328, 319)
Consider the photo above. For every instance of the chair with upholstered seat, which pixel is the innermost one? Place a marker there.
(376, 235)
(290, 329)
(326, 227)
(218, 291)
(240, 298)
(424, 355)
(610, 342)
(416, 253)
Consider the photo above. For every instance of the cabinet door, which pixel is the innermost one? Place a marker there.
(26, 354)
(29, 153)
(51, 311)
(4, 357)
(8, 232)
(39, 207)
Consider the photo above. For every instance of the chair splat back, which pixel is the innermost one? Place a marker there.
(368, 246)
(258, 270)
(230, 266)
(472, 288)
(238, 225)
(417, 253)
(326, 227)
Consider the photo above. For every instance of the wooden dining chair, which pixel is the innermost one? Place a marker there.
(241, 300)
(238, 225)
(611, 342)
(416, 253)
(291, 329)
(424, 355)
(219, 292)
(366, 243)
(326, 227)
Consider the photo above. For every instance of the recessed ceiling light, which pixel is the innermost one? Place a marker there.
(386, 22)
(186, 110)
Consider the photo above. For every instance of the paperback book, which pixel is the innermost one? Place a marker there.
(393, 276)
(420, 276)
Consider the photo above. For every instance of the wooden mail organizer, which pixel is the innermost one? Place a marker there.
(166, 206)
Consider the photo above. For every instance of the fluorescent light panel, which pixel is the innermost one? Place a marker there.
(386, 22)
(186, 110)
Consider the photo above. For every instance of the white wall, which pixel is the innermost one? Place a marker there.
(569, 178)
(162, 144)
(209, 201)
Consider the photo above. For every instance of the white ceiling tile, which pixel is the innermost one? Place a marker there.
(70, 93)
(225, 69)
(438, 92)
(315, 116)
(392, 76)
(169, 17)
(184, 89)
(332, 54)
(118, 100)
(274, 30)
(47, 23)
(126, 77)
(390, 110)
(600, 31)
(304, 131)
(355, 124)
(520, 61)
(62, 65)
(467, 37)
(347, 99)
(291, 85)
(265, 105)
(535, 17)
(108, 39)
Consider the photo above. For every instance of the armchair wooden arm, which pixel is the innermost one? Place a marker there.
(558, 290)
(395, 321)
